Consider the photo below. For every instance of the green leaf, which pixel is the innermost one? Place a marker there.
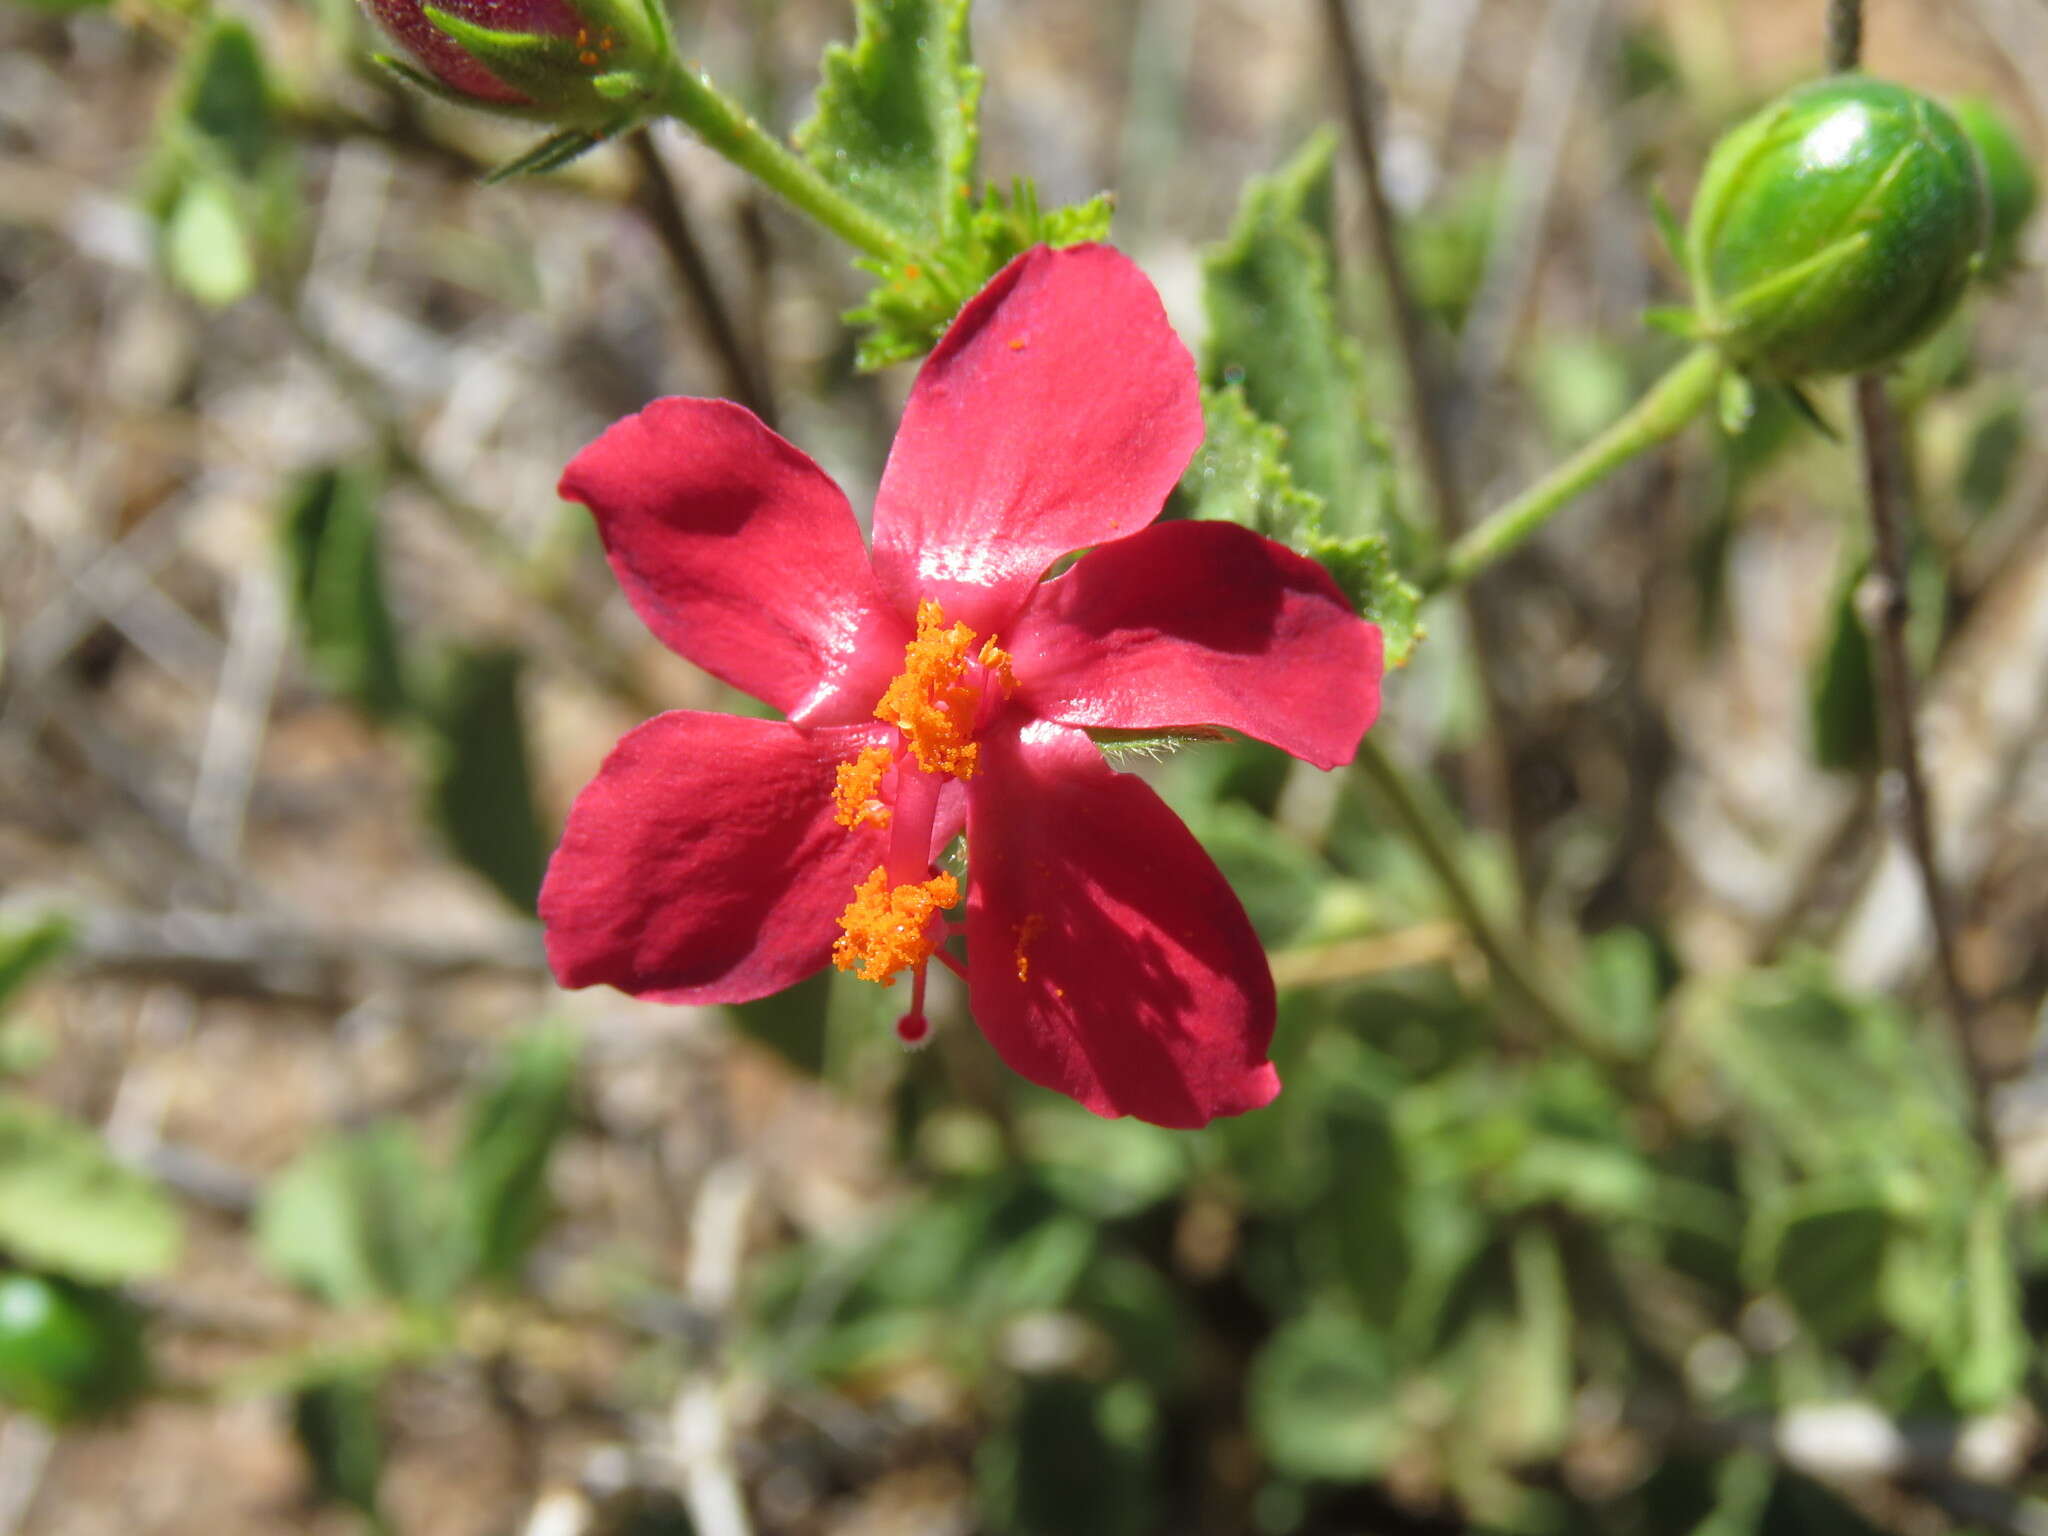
(1241, 475)
(1144, 1315)
(1364, 570)
(1368, 1206)
(1823, 1248)
(1273, 327)
(360, 1220)
(1997, 442)
(1532, 1396)
(500, 1175)
(1624, 987)
(1840, 1083)
(480, 793)
(1983, 1345)
(67, 1207)
(1321, 1399)
(336, 1424)
(336, 570)
(1842, 691)
(226, 98)
(206, 245)
(27, 945)
(897, 122)
(1102, 1168)
(1074, 1459)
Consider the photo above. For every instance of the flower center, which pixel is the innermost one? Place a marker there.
(947, 688)
(935, 700)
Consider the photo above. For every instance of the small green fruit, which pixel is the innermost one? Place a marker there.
(2008, 174)
(67, 1351)
(1835, 229)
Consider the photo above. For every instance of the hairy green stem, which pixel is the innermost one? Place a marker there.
(1671, 402)
(725, 126)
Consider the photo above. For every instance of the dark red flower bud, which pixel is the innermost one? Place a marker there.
(407, 24)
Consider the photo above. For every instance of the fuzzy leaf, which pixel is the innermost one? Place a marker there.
(896, 127)
(336, 572)
(336, 1425)
(359, 1220)
(501, 1171)
(226, 98)
(67, 1207)
(1075, 1459)
(1322, 1400)
(1273, 324)
(26, 946)
(1842, 691)
(480, 794)
(206, 246)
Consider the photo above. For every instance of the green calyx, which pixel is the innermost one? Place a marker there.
(1835, 229)
(592, 83)
(2008, 175)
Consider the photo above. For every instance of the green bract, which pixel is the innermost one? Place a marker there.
(2008, 175)
(1835, 229)
(67, 1351)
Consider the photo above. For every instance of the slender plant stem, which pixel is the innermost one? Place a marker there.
(1885, 611)
(726, 127)
(1503, 952)
(1670, 403)
(1428, 401)
(663, 205)
(1845, 35)
(1418, 361)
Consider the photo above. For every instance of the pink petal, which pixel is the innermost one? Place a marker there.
(1144, 991)
(1201, 624)
(740, 554)
(703, 864)
(1057, 412)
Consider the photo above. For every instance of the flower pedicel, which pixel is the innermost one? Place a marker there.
(944, 683)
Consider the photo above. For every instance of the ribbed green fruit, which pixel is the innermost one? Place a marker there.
(67, 1351)
(1835, 229)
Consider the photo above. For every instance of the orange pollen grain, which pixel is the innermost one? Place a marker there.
(887, 929)
(997, 661)
(856, 795)
(587, 57)
(932, 702)
(1027, 930)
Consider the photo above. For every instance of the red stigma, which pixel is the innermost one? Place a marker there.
(913, 1029)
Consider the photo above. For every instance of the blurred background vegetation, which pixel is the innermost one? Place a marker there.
(322, 1210)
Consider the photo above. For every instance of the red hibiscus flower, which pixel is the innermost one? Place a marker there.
(942, 680)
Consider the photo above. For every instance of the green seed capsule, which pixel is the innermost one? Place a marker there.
(2008, 173)
(67, 1351)
(1835, 229)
